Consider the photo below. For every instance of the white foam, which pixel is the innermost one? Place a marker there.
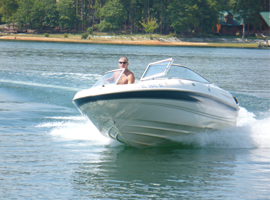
(39, 85)
(249, 133)
(81, 118)
(77, 128)
(71, 74)
(77, 131)
(245, 117)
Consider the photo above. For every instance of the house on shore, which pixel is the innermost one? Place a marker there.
(265, 23)
(229, 25)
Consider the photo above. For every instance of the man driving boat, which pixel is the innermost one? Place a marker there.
(127, 77)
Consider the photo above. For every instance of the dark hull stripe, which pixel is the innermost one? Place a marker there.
(169, 95)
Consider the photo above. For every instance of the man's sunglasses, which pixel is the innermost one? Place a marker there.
(122, 62)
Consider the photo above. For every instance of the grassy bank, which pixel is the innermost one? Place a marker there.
(138, 39)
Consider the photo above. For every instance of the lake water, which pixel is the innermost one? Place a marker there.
(49, 151)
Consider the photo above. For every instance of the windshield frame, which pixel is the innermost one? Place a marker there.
(159, 74)
(191, 75)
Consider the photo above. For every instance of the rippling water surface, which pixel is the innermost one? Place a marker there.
(49, 151)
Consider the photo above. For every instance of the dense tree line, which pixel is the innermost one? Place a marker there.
(170, 16)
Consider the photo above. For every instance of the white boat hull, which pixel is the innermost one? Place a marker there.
(150, 117)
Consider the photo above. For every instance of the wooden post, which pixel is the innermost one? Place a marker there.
(243, 32)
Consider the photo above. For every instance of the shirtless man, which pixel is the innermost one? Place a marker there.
(127, 77)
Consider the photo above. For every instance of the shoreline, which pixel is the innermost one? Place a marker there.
(126, 41)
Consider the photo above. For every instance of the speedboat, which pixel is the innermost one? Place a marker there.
(169, 100)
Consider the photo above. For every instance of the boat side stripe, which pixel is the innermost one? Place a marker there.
(171, 95)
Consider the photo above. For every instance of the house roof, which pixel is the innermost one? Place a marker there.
(235, 23)
(227, 13)
(224, 14)
(266, 17)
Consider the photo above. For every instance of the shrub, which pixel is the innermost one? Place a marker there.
(90, 30)
(65, 35)
(46, 35)
(85, 35)
(173, 35)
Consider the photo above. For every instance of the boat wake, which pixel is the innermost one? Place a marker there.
(249, 133)
(76, 128)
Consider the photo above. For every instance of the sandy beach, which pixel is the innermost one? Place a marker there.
(129, 41)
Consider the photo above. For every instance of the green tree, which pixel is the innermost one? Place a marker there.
(7, 9)
(51, 14)
(150, 26)
(207, 15)
(67, 13)
(249, 11)
(220, 5)
(112, 15)
(200, 15)
(183, 15)
(38, 13)
(159, 13)
(23, 14)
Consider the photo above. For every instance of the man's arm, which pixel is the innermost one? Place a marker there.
(111, 79)
(131, 78)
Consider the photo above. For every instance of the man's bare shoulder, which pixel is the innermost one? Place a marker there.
(130, 76)
(129, 73)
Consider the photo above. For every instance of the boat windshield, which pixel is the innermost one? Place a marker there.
(178, 71)
(165, 69)
(157, 69)
(110, 78)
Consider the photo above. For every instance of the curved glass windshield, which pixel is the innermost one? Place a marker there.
(110, 78)
(164, 69)
(177, 71)
(157, 69)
